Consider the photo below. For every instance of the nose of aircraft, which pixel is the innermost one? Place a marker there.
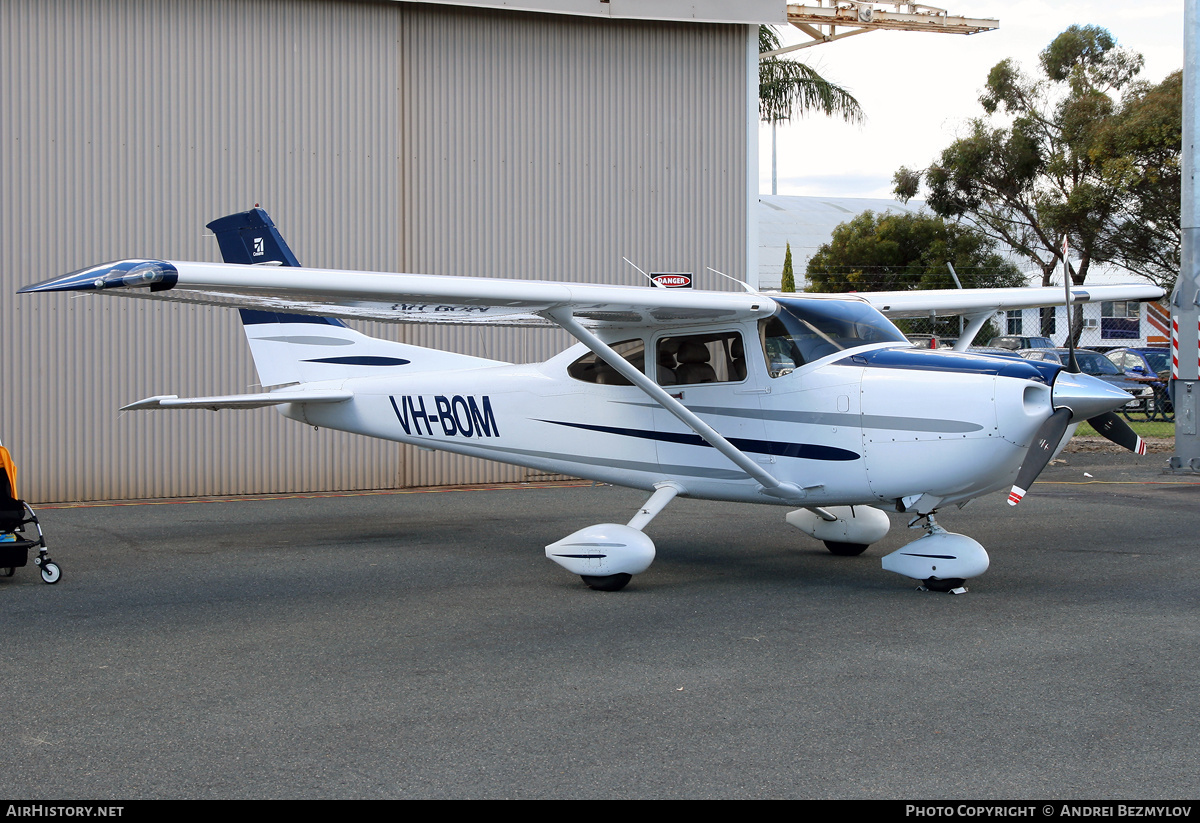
(1086, 396)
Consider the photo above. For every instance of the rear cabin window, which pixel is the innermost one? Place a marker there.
(717, 357)
(591, 369)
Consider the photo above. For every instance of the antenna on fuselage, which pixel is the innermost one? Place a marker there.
(648, 277)
(741, 283)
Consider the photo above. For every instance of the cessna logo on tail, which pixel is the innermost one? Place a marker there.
(455, 416)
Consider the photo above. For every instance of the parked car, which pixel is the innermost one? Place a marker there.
(1097, 365)
(925, 341)
(1016, 341)
(1149, 365)
(1052, 355)
(1147, 362)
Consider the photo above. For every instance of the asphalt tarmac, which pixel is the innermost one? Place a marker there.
(419, 644)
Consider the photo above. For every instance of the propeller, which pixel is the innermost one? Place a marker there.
(1048, 436)
(1111, 426)
(1108, 424)
(1075, 395)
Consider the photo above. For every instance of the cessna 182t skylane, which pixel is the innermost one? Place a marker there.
(816, 402)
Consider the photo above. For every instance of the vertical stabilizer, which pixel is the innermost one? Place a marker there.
(303, 348)
(250, 237)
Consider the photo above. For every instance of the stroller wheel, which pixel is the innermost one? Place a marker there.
(51, 573)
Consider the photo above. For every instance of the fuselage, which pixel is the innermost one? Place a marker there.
(857, 419)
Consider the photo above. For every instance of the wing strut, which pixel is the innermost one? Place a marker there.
(770, 485)
(974, 324)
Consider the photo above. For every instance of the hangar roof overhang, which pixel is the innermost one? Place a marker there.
(697, 11)
(820, 22)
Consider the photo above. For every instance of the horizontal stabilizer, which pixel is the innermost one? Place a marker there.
(239, 401)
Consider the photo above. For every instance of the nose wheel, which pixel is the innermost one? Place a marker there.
(607, 582)
(941, 560)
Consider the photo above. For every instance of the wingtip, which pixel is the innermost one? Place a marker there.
(154, 402)
(155, 274)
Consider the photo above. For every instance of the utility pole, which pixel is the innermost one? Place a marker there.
(1185, 300)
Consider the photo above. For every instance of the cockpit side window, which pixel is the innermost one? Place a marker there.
(782, 355)
(591, 369)
(716, 357)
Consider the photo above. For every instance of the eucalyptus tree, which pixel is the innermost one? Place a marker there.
(1083, 151)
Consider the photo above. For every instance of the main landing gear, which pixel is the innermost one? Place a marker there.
(846, 531)
(608, 555)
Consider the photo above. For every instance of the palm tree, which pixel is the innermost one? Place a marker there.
(787, 88)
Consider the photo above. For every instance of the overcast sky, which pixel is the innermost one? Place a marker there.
(918, 90)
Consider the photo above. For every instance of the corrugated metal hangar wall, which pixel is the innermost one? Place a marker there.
(380, 136)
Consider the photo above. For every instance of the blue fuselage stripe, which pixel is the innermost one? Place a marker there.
(804, 451)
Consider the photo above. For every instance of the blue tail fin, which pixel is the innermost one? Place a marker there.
(289, 348)
(251, 237)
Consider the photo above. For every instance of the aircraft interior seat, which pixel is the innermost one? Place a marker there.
(606, 375)
(666, 368)
(737, 360)
(694, 366)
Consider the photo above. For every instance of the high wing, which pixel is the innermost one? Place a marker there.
(407, 298)
(423, 298)
(899, 304)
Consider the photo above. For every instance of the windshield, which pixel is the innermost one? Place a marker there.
(1157, 360)
(1095, 363)
(804, 330)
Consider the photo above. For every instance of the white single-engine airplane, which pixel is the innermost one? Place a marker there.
(816, 402)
